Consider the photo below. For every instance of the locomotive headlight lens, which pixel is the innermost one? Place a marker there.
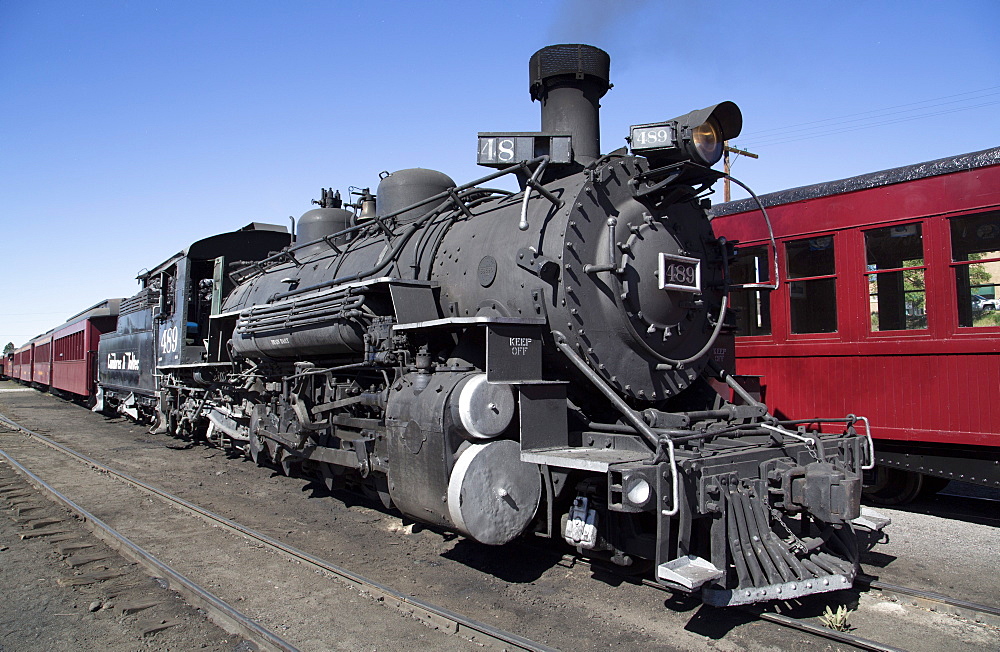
(637, 490)
(707, 142)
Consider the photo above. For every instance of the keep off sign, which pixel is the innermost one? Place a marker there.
(513, 353)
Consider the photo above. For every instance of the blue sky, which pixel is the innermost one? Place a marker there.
(130, 129)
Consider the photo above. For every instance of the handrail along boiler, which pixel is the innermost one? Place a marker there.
(550, 361)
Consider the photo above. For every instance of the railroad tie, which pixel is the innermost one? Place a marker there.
(160, 626)
(92, 578)
(41, 533)
(73, 546)
(135, 607)
(27, 507)
(24, 493)
(82, 559)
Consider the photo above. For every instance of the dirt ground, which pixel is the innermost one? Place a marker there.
(529, 588)
(44, 608)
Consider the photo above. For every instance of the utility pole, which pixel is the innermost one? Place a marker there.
(725, 163)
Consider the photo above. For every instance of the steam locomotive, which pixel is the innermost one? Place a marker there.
(551, 361)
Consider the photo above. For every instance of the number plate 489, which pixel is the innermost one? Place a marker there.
(680, 273)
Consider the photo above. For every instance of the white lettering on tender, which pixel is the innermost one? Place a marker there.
(128, 361)
(519, 345)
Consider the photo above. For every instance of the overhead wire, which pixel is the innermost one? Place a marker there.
(874, 118)
(785, 128)
(765, 143)
(786, 132)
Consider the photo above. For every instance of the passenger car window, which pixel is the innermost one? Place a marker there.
(812, 285)
(894, 258)
(975, 252)
(752, 306)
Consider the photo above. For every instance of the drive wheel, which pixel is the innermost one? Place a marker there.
(894, 487)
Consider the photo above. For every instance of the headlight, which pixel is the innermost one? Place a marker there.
(638, 491)
(707, 141)
(697, 136)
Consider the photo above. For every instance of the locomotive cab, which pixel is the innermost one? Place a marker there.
(166, 325)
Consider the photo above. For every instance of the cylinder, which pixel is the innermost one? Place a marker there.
(483, 410)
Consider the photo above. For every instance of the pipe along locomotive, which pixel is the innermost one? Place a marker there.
(549, 361)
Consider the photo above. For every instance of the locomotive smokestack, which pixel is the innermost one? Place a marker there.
(569, 80)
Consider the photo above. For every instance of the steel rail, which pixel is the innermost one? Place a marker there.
(219, 611)
(803, 626)
(818, 630)
(977, 612)
(778, 619)
(432, 614)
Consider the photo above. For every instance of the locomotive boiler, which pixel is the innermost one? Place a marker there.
(553, 360)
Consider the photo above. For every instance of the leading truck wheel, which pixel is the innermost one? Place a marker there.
(894, 487)
(256, 448)
(492, 495)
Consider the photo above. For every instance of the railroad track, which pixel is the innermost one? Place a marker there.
(223, 613)
(979, 613)
(219, 611)
(405, 603)
(976, 612)
(802, 625)
(934, 601)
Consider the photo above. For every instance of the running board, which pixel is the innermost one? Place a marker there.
(583, 458)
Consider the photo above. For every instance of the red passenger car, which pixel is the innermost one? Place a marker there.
(888, 305)
(22, 362)
(74, 362)
(41, 360)
(14, 371)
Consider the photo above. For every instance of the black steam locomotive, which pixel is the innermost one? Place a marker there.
(550, 361)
